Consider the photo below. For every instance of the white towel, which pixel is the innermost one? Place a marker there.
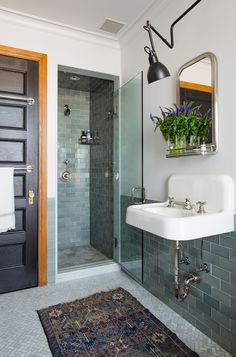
(7, 203)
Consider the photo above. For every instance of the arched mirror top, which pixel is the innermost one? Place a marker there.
(197, 83)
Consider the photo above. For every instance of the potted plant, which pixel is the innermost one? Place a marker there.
(182, 126)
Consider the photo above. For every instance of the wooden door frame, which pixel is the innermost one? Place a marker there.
(42, 153)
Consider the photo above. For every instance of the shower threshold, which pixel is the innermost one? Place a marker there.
(85, 266)
(80, 257)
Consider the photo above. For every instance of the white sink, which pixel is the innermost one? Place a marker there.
(180, 224)
(165, 211)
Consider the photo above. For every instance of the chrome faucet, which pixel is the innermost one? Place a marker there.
(199, 207)
(171, 202)
(186, 204)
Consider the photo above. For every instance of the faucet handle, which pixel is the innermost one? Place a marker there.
(201, 207)
(171, 202)
(187, 204)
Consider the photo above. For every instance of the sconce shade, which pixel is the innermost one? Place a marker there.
(156, 71)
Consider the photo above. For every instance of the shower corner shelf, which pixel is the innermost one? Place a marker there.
(95, 142)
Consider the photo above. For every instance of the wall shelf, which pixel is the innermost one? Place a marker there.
(193, 152)
(92, 142)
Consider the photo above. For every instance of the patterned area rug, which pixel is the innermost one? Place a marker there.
(108, 324)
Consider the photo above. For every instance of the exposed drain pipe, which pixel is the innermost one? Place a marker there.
(182, 290)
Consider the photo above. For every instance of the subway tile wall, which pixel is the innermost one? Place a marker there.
(101, 167)
(51, 248)
(73, 196)
(211, 304)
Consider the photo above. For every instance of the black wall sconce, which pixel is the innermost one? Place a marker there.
(158, 70)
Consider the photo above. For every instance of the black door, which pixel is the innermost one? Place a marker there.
(18, 149)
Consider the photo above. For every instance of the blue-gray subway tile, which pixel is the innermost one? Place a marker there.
(233, 326)
(175, 307)
(221, 296)
(228, 311)
(228, 241)
(211, 324)
(229, 335)
(228, 265)
(220, 251)
(194, 251)
(203, 307)
(206, 288)
(191, 300)
(210, 280)
(190, 318)
(214, 239)
(197, 314)
(196, 292)
(220, 273)
(233, 279)
(205, 245)
(211, 258)
(224, 342)
(233, 304)
(220, 318)
(211, 302)
(205, 329)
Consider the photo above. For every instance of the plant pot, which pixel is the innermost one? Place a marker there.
(193, 142)
(178, 145)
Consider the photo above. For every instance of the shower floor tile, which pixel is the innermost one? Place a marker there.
(79, 256)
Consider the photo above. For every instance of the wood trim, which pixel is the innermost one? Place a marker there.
(42, 197)
(196, 86)
(42, 153)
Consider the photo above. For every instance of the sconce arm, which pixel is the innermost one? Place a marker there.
(148, 27)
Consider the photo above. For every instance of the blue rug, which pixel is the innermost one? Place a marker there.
(108, 324)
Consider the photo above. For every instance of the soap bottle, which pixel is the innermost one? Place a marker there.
(88, 136)
(83, 137)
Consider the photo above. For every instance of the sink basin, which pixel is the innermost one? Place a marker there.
(177, 223)
(166, 211)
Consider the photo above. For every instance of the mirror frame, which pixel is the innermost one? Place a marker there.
(213, 146)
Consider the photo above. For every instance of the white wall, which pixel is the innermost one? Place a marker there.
(209, 27)
(199, 72)
(64, 47)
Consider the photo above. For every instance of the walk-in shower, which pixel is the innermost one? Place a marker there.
(85, 159)
(99, 161)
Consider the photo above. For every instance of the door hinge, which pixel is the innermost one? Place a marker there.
(115, 241)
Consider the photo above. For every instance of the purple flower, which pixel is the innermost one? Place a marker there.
(154, 118)
(163, 113)
(187, 109)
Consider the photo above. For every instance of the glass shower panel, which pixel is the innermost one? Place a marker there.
(128, 173)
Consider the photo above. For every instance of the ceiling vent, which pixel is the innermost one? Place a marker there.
(111, 26)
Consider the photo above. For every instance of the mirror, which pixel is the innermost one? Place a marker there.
(196, 82)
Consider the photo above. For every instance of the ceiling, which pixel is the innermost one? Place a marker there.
(84, 83)
(88, 15)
